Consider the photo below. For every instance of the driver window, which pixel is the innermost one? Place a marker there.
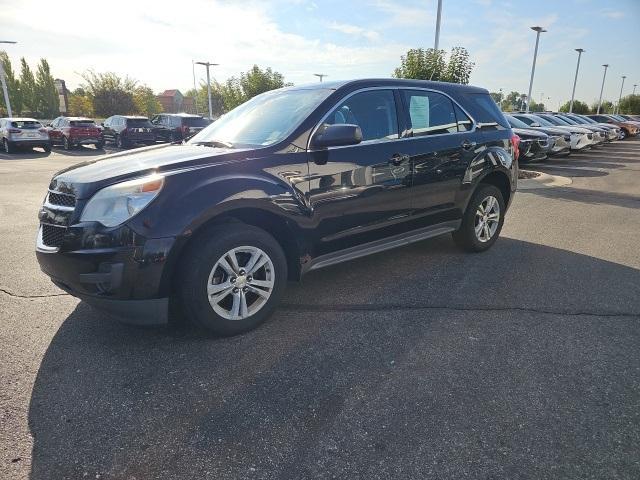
(373, 111)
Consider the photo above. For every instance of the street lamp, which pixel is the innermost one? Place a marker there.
(606, 65)
(207, 65)
(575, 80)
(321, 75)
(620, 97)
(634, 88)
(5, 90)
(539, 30)
(438, 18)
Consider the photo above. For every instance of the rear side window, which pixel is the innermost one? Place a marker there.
(82, 123)
(138, 122)
(195, 122)
(373, 111)
(484, 109)
(430, 113)
(465, 124)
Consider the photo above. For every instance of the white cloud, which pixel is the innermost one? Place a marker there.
(617, 14)
(348, 29)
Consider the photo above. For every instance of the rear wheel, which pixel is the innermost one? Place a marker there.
(67, 145)
(482, 221)
(232, 279)
(8, 146)
(46, 148)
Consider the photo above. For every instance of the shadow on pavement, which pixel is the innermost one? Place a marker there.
(419, 362)
(593, 197)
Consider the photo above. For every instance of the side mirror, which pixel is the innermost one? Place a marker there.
(336, 136)
(535, 124)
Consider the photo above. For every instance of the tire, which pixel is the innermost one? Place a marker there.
(46, 148)
(466, 236)
(623, 134)
(66, 144)
(99, 146)
(204, 268)
(8, 147)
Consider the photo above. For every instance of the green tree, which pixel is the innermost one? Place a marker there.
(578, 107)
(606, 107)
(536, 107)
(202, 101)
(110, 93)
(13, 86)
(48, 103)
(28, 88)
(146, 101)
(80, 106)
(630, 105)
(430, 64)
(498, 97)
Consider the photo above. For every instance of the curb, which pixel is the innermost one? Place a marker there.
(543, 181)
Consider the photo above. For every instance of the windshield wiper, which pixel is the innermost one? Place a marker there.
(215, 143)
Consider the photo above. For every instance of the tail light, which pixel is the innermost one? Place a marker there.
(42, 130)
(515, 144)
(14, 130)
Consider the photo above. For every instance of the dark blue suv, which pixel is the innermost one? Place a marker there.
(293, 180)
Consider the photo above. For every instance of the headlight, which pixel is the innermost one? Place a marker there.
(117, 203)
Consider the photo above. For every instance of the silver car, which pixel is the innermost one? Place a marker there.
(23, 132)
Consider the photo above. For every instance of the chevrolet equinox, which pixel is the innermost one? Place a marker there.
(293, 180)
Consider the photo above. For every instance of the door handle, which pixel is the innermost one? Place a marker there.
(398, 158)
(467, 145)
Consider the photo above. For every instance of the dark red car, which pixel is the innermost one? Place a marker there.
(73, 131)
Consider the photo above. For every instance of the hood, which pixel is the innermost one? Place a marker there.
(83, 179)
(530, 134)
(556, 131)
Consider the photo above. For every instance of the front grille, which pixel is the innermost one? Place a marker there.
(62, 199)
(590, 136)
(53, 236)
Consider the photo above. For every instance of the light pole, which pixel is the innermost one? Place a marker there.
(208, 64)
(620, 97)
(438, 18)
(606, 65)
(539, 30)
(5, 90)
(321, 76)
(634, 88)
(575, 80)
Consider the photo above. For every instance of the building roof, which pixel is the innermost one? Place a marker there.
(170, 93)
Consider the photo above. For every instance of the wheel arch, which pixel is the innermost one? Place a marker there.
(498, 179)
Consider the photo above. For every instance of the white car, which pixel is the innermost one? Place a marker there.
(23, 132)
(580, 137)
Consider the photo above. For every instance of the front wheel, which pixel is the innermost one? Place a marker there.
(623, 134)
(46, 148)
(8, 147)
(120, 142)
(232, 279)
(66, 143)
(99, 145)
(482, 221)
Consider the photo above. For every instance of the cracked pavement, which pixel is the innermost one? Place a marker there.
(422, 362)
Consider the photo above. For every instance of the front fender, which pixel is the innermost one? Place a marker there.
(488, 162)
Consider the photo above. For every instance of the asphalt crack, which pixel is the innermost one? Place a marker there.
(397, 307)
(17, 295)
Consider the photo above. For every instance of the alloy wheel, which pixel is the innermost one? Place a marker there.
(487, 218)
(240, 282)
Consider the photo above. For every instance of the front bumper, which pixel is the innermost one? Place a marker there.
(124, 280)
(86, 140)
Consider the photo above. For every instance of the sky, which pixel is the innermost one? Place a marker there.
(155, 42)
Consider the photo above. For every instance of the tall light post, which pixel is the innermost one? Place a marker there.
(438, 18)
(634, 88)
(606, 65)
(539, 30)
(5, 90)
(575, 79)
(620, 97)
(320, 76)
(208, 64)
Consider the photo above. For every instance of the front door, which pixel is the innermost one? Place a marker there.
(361, 193)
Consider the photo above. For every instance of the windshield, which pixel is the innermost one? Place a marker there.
(578, 120)
(26, 124)
(568, 120)
(542, 121)
(263, 120)
(618, 117)
(588, 120)
(515, 123)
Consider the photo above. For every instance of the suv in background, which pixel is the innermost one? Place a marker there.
(128, 130)
(627, 128)
(72, 131)
(294, 180)
(175, 127)
(23, 132)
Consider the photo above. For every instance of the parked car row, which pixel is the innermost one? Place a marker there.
(123, 131)
(551, 134)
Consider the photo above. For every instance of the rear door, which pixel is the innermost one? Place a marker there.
(441, 147)
(360, 193)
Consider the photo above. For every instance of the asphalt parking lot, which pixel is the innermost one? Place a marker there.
(423, 362)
